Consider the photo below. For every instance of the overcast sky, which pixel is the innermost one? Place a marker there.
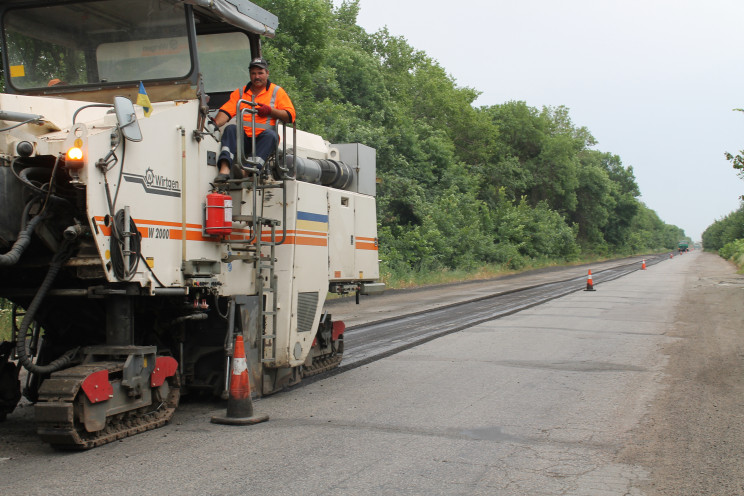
(655, 81)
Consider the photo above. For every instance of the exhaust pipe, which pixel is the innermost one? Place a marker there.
(330, 173)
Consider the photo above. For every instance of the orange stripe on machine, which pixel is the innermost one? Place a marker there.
(150, 229)
(366, 246)
(100, 221)
(365, 243)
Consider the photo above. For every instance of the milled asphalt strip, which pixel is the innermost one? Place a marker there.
(384, 337)
(599, 276)
(390, 336)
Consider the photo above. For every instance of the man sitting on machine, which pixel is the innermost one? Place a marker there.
(272, 103)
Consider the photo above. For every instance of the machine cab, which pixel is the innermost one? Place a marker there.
(95, 50)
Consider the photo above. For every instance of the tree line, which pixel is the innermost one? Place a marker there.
(725, 232)
(726, 235)
(460, 187)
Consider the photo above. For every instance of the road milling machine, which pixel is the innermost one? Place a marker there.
(130, 268)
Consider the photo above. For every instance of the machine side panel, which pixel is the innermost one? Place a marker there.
(341, 240)
(310, 280)
(365, 239)
(284, 264)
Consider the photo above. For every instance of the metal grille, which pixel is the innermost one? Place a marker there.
(307, 303)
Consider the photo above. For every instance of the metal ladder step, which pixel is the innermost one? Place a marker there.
(266, 282)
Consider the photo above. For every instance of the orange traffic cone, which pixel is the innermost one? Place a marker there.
(671, 255)
(643, 267)
(589, 283)
(239, 403)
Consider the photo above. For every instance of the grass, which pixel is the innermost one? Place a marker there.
(419, 279)
(5, 327)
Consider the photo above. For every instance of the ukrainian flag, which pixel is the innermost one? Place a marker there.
(144, 100)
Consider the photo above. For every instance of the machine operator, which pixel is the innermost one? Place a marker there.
(273, 103)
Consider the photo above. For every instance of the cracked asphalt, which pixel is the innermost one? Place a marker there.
(634, 389)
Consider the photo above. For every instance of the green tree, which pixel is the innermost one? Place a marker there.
(725, 230)
(737, 161)
(594, 203)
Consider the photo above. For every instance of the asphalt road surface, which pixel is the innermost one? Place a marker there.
(634, 389)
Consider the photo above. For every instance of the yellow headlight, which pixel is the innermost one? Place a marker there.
(75, 153)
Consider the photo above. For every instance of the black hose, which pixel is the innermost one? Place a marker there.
(184, 318)
(118, 230)
(20, 245)
(40, 192)
(25, 172)
(58, 260)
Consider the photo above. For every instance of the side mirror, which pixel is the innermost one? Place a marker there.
(127, 119)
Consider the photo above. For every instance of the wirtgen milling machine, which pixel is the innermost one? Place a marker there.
(130, 269)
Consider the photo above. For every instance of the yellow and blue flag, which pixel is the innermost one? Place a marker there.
(144, 100)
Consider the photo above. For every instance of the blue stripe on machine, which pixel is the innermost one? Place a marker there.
(312, 217)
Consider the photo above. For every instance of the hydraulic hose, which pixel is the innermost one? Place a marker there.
(40, 192)
(27, 228)
(58, 260)
(23, 174)
(122, 272)
(28, 171)
(193, 316)
(20, 245)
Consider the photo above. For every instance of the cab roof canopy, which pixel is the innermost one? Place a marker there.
(242, 14)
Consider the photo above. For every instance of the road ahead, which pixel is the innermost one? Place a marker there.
(632, 389)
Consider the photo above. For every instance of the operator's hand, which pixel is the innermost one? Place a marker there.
(263, 110)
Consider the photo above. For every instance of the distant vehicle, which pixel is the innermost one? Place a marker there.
(683, 247)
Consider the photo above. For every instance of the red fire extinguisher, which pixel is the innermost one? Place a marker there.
(219, 214)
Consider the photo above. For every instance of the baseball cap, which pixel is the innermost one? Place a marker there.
(259, 62)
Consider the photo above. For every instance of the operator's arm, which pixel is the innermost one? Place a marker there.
(221, 118)
(284, 109)
(283, 115)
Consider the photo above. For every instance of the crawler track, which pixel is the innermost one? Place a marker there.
(325, 363)
(61, 403)
(322, 365)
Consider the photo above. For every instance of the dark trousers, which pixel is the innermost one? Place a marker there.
(266, 142)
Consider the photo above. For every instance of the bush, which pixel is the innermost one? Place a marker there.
(733, 250)
(5, 316)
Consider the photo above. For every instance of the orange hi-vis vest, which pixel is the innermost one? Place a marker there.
(273, 96)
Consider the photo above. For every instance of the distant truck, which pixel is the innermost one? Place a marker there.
(683, 247)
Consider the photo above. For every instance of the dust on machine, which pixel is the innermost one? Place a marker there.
(130, 268)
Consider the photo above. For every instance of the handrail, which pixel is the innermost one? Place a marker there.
(240, 112)
(239, 152)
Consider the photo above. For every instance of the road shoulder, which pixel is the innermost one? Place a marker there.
(692, 436)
